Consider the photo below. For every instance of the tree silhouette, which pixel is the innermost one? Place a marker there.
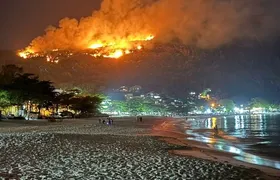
(28, 87)
(228, 104)
(23, 88)
(86, 104)
(4, 99)
(259, 103)
(8, 73)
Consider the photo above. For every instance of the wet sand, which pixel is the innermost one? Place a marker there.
(169, 132)
(85, 149)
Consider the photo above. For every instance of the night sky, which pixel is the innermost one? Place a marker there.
(22, 20)
(239, 69)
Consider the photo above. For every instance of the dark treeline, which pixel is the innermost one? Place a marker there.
(27, 92)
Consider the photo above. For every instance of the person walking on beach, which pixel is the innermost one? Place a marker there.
(110, 121)
(216, 129)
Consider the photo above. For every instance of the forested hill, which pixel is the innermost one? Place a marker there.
(234, 71)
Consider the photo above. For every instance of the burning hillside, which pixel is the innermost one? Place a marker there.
(122, 27)
(114, 49)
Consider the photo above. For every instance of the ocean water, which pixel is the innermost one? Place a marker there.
(251, 138)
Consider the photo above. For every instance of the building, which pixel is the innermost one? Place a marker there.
(135, 89)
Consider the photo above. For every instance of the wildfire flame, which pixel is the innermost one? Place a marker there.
(23, 55)
(27, 53)
(122, 27)
(99, 35)
(115, 49)
(96, 46)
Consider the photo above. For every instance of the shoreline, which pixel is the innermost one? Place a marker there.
(126, 136)
(200, 150)
(228, 115)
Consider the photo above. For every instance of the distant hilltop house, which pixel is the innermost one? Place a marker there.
(59, 91)
(125, 92)
(132, 89)
(123, 89)
(135, 89)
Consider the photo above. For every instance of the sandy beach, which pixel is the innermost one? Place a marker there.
(86, 149)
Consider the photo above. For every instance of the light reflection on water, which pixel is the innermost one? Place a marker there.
(247, 157)
(244, 126)
(238, 134)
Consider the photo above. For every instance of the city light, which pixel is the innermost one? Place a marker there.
(208, 111)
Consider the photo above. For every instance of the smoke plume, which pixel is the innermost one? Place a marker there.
(201, 23)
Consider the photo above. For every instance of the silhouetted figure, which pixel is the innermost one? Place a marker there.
(140, 119)
(110, 121)
(216, 129)
(103, 121)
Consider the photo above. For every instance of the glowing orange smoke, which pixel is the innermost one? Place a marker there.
(103, 34)
(125, 25)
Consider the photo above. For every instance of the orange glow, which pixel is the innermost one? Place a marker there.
(96, 46)
(48, 58)
(117, 54)
(150, 38)
(23, 55)
(107, 48)
(127, 51)
(139, 47)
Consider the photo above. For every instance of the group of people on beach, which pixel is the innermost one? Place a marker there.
(108, 122)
